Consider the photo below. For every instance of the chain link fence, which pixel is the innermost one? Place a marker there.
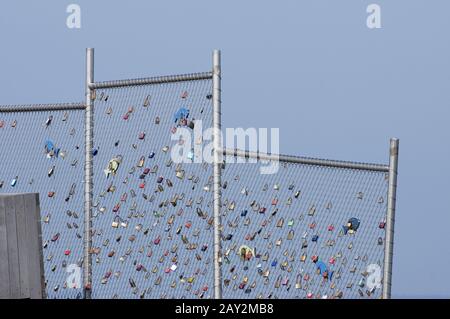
(42, 152)
(152, 217)
(149, 226)
(307, 231)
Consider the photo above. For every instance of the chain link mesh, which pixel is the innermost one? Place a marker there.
(25, 168)
(305, 232)
(152, 218)
(287, 235)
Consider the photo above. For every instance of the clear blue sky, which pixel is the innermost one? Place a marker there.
(335, 88)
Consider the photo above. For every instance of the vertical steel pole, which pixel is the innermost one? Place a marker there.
(88, 135)
(390, 218)
(217, 141)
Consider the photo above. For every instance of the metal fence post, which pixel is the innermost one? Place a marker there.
(217, 141)
(88, 165)
(390, 218)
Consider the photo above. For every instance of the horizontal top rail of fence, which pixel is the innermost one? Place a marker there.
(306, 160)
(152, 80)
(42, 107)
